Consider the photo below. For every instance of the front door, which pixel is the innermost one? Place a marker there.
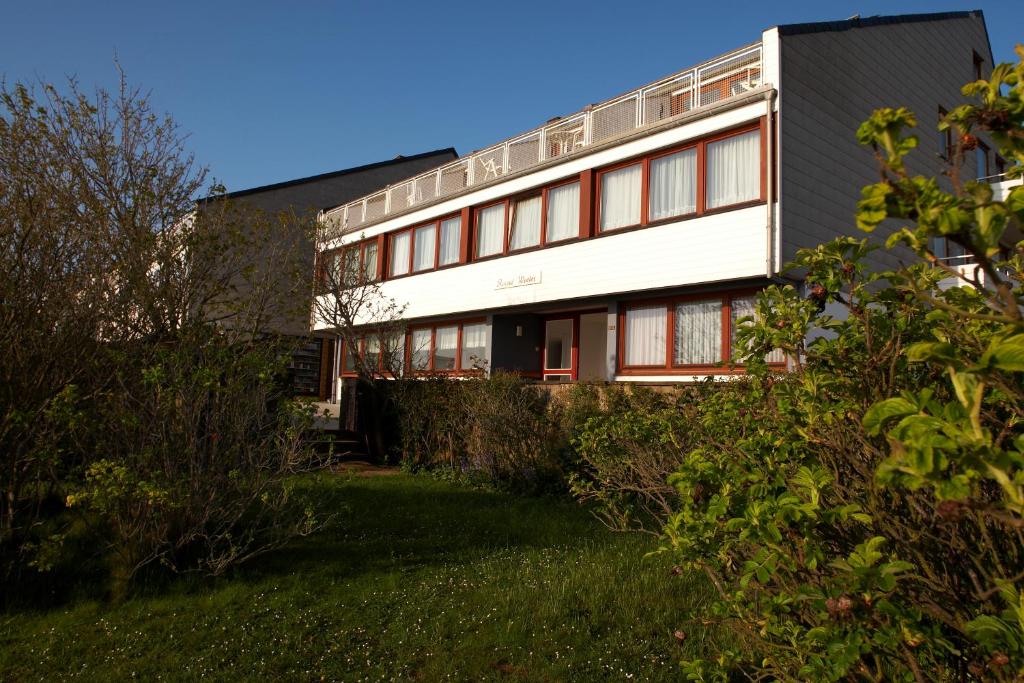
(560, 348)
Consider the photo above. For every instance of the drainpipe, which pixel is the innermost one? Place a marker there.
(769, 98)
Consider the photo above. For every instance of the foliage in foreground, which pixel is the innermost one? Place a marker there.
(861, 518)
(142, 413)
(418, 580)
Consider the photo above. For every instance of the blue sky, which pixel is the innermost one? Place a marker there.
(270, 91)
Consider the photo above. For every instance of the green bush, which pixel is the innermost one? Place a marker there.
(861, 516)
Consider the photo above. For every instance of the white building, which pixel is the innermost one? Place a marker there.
(621, 242)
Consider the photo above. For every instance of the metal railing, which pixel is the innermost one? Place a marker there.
(713, 81)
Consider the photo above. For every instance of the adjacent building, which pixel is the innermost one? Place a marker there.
(623, 241)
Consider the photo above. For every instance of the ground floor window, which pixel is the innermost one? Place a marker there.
(450, 347)
(683, 335)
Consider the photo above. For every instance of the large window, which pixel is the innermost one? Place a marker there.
(734, 170)
(563, 216)
(645, 335)
(370, 260)
(423, 248)
(490, 230)
(673, 185)
(525, 230)
(451, 238)
(700, 332)
(449, 347)
(620, 197)
(401, 251)
(474, 346)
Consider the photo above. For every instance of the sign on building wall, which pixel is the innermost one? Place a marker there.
(519, 280)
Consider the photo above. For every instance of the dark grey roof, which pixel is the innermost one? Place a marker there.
(865, 22)
(328, 190)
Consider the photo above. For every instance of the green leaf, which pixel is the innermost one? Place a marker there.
(886, 410)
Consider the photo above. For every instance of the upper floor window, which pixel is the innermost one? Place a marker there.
(979, 65)
(563, 214)
(423, 247)
(945, 137)
(673, 185)
(490, 230)
(734, 170)
(370, 260)
(524, 231)
(401, 254)
(451, 238)
(620, 197)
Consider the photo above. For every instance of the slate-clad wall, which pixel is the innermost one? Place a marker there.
(832, 80)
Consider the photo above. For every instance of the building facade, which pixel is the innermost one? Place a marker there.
(622, 242)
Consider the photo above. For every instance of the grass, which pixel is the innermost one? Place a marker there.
(417, 580)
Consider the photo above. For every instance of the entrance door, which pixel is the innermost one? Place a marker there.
(593, 346)
(560, 349)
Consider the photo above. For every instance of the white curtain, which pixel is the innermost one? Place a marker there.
(474, 346)
(734, 170)
(620, 198)
(450, 238)
(446, 340)
(394, 358)
(564, 212)
(400, 254)
(370, 261)
(525, 224)
(490, 230)
(645, 335)
(421, 349)
(673, 185)
(423, 249)
(698, 332)
(743, 307)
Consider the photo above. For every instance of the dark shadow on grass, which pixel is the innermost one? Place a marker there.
(401, 523)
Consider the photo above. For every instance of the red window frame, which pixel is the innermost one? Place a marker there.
(476, 229)
(701, 207)
(433, 327)
(671, 367)
(510, 215)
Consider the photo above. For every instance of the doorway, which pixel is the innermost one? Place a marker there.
(575, 347)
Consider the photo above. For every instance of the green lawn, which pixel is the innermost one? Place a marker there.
(417, 580)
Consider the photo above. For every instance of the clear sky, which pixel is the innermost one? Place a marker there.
(270, 91)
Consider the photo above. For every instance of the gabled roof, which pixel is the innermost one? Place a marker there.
(326, 190)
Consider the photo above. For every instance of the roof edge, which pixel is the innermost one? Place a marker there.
(331, 174)
(866, 22)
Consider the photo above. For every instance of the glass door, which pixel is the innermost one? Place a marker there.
(560, 349)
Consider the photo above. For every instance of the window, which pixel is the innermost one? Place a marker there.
(744, 307)
(451, 237)
(400, 254)
(371, 349)
(348, 363)
(446, 343)
(645, 335)
(474, 346)
(673, 185)
(620, 197)
(981, 160)
(449, 347)
(525, 230)
(420, 352)
(701, 333)
(945, 137)
(423, 248)
(350, 261)
(490, 230)
(979, 64)
(563, 219)
(734, 170)
(370, 261)
(698, 333)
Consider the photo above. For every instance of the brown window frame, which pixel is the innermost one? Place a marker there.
(946, 152)
(725, 366)
(589, 181)
(458, 370)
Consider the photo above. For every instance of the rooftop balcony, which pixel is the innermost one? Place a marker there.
(721, 78)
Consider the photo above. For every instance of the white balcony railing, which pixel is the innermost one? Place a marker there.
(700, 86)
